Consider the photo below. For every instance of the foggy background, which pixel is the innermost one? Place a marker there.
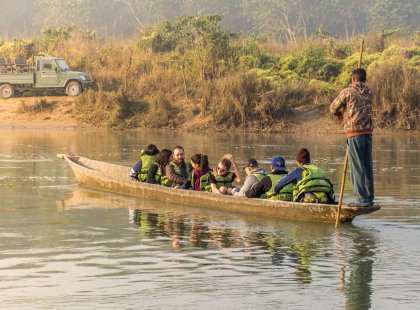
(284, 20)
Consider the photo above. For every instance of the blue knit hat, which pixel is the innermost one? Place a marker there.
(278, 163)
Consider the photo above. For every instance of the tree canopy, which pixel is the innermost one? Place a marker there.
(284, 20)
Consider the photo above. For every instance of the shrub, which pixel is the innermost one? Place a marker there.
(311, 63)
(350, 63)
(51, 38)
(323, 87)
(245, 100)
(162, 113)
(18, 47)
(110, 109)
(396, 86)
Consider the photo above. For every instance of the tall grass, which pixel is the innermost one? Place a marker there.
(258, 87)
(245, 100)
(40, 106)
(163, 90)
(397, 93)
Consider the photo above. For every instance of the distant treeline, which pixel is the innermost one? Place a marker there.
(191, 72)
(283, 20)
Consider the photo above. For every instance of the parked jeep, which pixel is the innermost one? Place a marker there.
(45, 74)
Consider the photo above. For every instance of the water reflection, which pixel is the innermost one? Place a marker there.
(285, 247)
(177, 256)
(358, 285)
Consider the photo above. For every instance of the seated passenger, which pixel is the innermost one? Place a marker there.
(147, 159)
(220, 181)
(310, 182)
(157, 172)
(199, 176)
(254, 174)
(265, 187)
(177, 171)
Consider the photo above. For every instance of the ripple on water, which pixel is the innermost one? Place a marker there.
(64, 246)
(26, 160)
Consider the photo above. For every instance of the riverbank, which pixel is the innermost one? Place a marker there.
(247, 84)
(58, 112)
(51, 112)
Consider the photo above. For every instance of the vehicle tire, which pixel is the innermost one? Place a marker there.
(73, 89)
(6, 91)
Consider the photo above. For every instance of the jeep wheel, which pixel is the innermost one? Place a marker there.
(6, 91)
(73, 89)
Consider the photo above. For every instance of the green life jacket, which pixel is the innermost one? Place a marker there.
(204, 181)
(164, 181)
(147, 162)
(285, 194)
(259, 175)
(177, 171)
(314, 181)
(226, 180)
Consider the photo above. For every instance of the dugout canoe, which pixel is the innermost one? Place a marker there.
(115, 178)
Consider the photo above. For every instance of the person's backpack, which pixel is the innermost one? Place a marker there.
(134, 172)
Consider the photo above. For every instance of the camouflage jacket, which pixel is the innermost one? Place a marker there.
(355, 105)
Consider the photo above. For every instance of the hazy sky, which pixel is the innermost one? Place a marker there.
(123, 18)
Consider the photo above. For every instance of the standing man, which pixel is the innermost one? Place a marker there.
(354, 107)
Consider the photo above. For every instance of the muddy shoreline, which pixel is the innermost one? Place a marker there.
(306, 119)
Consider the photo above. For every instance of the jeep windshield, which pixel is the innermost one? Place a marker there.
(62, 65)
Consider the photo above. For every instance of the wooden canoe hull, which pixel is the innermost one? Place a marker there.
(115, 178)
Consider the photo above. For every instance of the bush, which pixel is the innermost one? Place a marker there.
(245, 100)
(396, 86)
(324, 88)
(110, 109)
(162, 113)
(158, 39)
(350, 63)
(311, 63)
(18, 47)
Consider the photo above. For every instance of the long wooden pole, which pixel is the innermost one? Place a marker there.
(346, 159)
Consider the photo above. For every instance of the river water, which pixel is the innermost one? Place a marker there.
(67, 246)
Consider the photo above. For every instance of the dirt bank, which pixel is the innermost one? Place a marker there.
(59, 115)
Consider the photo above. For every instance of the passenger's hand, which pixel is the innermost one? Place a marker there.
(229, 157)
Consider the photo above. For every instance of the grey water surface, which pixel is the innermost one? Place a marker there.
(66, 246)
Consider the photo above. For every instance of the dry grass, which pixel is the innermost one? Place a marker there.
(244, 100)
(397, 94)
(137, 88)
(100, 108)
(40, 106)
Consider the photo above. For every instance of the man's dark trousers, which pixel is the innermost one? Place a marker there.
(361, 166)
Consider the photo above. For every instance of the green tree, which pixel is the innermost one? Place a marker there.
(199, 38)
(395, 14)
(232, 12)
